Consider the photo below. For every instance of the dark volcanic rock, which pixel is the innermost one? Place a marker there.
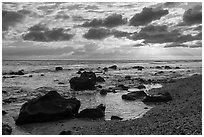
(177, 67)
(103, 91)
(100, 79)
(93, 113)
(138, 67)
(158, 67)
(86, 81)
(113, 67)
(141, 87)
(160, 97)
(116, 118)
(167, 67)
(58, 68)
(105, 69)
(20, 72)
(51, 106)
(82, 83)
(68, 132)
(134, 95)
(42, 75)
(6, 129)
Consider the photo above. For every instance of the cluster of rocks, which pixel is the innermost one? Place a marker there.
(165, 67)
(52, 106)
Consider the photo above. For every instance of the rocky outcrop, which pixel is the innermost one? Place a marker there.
(93, 113)
(51, 106)
(134, 95)
(160, 97)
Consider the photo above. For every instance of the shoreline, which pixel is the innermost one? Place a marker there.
(181, 116)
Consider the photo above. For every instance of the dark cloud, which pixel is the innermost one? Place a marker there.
(147, 15)
(192, 16)
(173, 45)
(118, 34)
(41, 33)
(160, 34)
(111, 21)
(97, 33)
(10, 18)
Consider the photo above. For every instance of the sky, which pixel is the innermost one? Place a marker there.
(107, 31)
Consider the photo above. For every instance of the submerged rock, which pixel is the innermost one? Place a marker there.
(93, 113)
(51, 106)
(161, 97)
(116, 118)
(58, 68)
(134, 95)
(6, 129)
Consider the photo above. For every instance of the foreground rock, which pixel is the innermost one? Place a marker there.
(51, 106)
(113, 67)
(160, 97)
(6, 129)
(93, 113)
(134, 95)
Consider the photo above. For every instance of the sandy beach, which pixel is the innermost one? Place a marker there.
(181, 116)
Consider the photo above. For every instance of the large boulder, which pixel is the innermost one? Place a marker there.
(51, 106)
(58, 68)
(6, 129)
(93, 113)
(160, 97)
(134, 95)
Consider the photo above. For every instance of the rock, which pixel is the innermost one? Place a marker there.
(134, 95)
(4, 91)
(20, 72)
(138, 67)
(177, 68)
(116, 118)
(100, 79)
(105, 69)
(123, 87)
(167, 67)
(58, 68)
(4, 112)
(51, 106)
(128, 77)
(99, 86)
(141, 87)
(160, 97)
(30, 76)
(68, 132)
(90, 74)
(81, 69)
(145, 107)
(6, 129)
(93, 113)
(113, 67)
(82, 83)
(103, 91)
(42, 75)
(61, 83)
(158, 67)
(79, 72)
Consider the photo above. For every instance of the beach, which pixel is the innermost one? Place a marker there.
(181, 115)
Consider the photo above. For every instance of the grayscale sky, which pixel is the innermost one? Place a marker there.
(138, 31)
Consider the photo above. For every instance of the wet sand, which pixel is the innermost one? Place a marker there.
(181, 116)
